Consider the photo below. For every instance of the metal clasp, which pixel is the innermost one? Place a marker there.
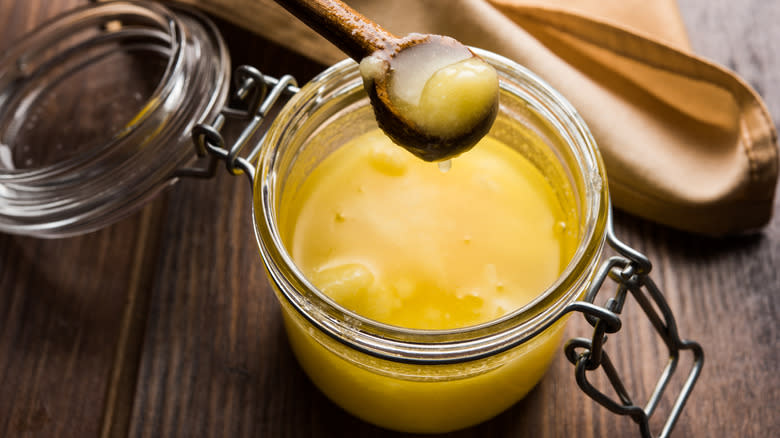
(630, 270)
(259, 93)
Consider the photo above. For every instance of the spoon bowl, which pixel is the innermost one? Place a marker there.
(431, 94)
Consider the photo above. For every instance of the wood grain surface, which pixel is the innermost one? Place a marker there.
(164, 324)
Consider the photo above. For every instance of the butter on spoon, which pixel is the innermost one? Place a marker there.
(430, 93)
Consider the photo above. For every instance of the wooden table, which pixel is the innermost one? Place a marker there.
(164, 324)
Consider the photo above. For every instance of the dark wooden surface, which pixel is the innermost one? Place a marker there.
(164, 325)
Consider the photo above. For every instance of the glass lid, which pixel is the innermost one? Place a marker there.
(96, 112)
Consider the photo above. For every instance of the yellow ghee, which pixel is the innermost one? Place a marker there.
(398, 241)
(439, 88)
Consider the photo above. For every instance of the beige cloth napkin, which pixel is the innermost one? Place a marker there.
(686, 143)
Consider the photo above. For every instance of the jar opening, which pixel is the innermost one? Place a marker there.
(336, 97)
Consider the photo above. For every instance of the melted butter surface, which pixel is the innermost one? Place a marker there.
(398, 241)
(453, 99)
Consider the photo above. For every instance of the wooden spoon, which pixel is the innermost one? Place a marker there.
(435, 126)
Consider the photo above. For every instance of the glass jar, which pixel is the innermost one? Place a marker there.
(413, 380)
(427, 381)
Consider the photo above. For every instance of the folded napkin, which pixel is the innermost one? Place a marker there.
(686, 143)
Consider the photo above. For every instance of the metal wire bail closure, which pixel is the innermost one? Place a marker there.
(630, 269)
(257, 94)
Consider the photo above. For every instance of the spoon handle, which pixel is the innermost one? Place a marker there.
(346, 28)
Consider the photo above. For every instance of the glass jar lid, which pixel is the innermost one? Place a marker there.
(96, 112)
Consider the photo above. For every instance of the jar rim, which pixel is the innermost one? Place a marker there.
(109, 178)
(447, 345)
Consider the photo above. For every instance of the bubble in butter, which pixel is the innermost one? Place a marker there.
(398, 241)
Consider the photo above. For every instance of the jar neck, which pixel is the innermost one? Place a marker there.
(338, 91)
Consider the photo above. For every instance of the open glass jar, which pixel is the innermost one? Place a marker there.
(413, 380)
(427, 380)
